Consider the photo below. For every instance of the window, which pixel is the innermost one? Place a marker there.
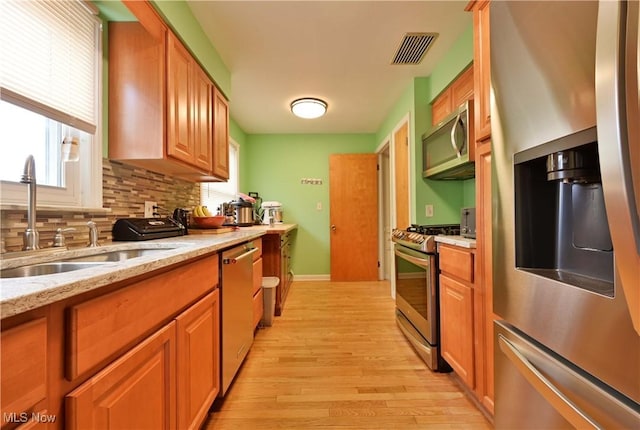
(213, 194)
(50, 76)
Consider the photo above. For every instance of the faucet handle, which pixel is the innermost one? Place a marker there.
(93, 234)
(58, 239)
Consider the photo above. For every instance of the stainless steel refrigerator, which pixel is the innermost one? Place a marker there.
(565, 126)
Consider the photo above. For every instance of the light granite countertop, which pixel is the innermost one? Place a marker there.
(460, 241)
(18, 295)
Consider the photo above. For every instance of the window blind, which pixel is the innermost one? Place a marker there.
(49, 57)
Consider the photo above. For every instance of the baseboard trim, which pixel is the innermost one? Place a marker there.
(312, 277)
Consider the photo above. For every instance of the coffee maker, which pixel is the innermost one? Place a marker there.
(272, 212)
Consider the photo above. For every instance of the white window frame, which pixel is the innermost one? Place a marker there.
(83, 179)
(205, 186)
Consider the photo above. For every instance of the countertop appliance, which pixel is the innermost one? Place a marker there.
(272, 212)
(236, 296)
(125, 229)
(182, 216)
(417, 310)
(242, 213)
(566, 263)
(468, 222)
(445, 149)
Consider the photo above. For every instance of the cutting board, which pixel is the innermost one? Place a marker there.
(211, 230)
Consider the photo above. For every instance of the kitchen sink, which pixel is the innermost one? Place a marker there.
(119, 255)
(46, 269)
(77, 263)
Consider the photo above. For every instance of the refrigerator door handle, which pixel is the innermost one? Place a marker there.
(616, 56)
(545, 388)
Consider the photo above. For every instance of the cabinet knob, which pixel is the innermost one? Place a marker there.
(333, 227)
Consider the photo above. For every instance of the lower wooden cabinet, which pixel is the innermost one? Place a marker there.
(456, 314)
(198, 360)
(143, 355)
(23, 373)
(277, 262)
(258, 304)
(137, 391)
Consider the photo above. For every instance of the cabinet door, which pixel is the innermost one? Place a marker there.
(482, 59)
(202, 119)
(220, 135)
(441, 107)
(198, 360)
(179, 107)
(485, 258)
(136, 391)
(462, 88)
(23, 369)
(456, 327)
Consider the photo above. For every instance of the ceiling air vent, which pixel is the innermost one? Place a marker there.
(413, 47)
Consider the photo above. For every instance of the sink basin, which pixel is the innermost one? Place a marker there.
(119, 255)
(45, 269)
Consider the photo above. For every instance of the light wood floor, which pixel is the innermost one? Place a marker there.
(335, 359)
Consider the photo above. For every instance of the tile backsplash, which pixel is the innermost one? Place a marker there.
(125, 189)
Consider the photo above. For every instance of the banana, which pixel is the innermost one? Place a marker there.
(206, 211)
(197, 211)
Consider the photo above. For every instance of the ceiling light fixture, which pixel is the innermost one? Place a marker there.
(308, 107)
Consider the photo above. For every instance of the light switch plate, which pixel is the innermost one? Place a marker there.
(428, 210)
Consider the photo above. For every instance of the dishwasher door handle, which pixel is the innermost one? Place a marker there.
(242, 256)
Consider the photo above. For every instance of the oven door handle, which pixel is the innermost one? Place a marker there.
(422, 262)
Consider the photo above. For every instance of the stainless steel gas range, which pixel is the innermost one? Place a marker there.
(416, 276)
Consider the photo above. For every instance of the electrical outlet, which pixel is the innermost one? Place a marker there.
(428, 210)
(148, 209)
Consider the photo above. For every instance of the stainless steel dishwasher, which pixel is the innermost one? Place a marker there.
(237, 308)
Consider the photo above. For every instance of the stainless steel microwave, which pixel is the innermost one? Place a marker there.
(445, 149)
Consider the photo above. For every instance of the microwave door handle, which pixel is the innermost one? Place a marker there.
(617, 133)
(454, 144)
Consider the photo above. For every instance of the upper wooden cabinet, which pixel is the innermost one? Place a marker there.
(165, 113)
(482, 63)
(459, 91)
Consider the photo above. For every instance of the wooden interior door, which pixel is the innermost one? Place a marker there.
(353, 195)
(401, 175)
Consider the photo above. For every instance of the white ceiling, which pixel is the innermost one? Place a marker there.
(339, 51)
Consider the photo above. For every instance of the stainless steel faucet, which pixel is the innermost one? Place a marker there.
(31, 237)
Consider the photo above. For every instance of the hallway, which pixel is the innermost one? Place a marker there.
(335, 359)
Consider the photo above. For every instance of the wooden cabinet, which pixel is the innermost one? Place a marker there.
(277, 262)
(456, 310)
(136, 391)
(456, 314)
(482, 122)
(23, 373)
(462, 317)
(165, 113)
(198, 360)
(482, 64)
(220, 135)
(258, 303)
(459, 91)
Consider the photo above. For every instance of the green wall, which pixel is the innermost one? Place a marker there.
(447, 197)
(274, 165)
(179, 16)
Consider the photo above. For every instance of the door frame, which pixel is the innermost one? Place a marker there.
(390, 142)
(383, 148)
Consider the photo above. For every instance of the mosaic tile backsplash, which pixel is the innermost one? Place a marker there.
(125, 189)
